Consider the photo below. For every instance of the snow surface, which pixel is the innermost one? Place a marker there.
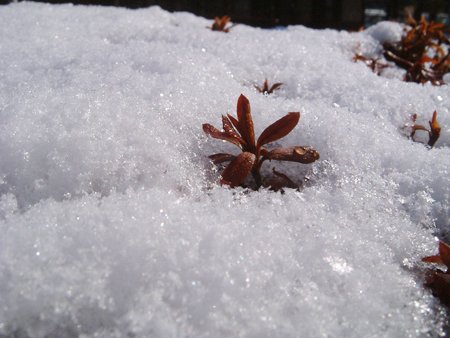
(111, 219)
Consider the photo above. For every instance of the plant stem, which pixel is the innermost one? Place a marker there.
(257, 177)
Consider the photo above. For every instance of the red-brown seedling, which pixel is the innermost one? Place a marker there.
(439, 281)
(433, 133)
(266, 90)
(375, 64)
(240, 132)
(220, 24)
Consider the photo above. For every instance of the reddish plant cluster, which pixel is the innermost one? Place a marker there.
(240, 132)
(433, 133)
(439, 280)
(422, 52)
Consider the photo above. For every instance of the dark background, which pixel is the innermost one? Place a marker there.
(341, 14)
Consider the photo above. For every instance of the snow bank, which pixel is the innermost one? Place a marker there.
(111, 220)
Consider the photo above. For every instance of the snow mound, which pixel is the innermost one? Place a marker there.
(386, 31)
(111, 218)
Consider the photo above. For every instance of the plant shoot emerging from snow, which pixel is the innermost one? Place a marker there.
(433, 133)
(266, 90)
(241, 133)
(375, 64)
(220, 24)
(439, 281)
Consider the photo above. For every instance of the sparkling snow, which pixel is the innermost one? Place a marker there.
(111, 220)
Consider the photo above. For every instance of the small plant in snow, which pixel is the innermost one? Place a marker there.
(433, 133)
(266, 90)
(241, 133)
(438, 280)
(220, 24)
(375, 64)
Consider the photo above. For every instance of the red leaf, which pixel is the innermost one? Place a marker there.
(235, 123)
(259, 89)
(444, 252)
(435, 130)
(278, 129)
(426, 58)
(433, 259)
(434, 124)
(238, 170)
(230, 130)
(281, 181)
(442, 258)
(415, 128)
(303, 155)
(245, 121)
(221, 157)
(275, 86)
(216, 133)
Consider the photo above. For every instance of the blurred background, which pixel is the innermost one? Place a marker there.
(339, 14)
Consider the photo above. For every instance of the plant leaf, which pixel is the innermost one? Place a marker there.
(221, 157)
(442, 258)
(230, 130)
(416, 127)
(278, 129)
(275, 86)
(433, 259)
(435, 130)
(444, 252)
(434, 124)
(235, 122)
(426, 59)
(281, 180)
(303, 155)
(238, 170)
(246, 121)
(216, 133)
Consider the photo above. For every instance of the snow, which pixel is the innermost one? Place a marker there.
(111, 219)
(386, 31)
